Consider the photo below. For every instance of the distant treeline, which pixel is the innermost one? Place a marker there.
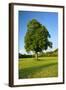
(25, 56)
(47, 54)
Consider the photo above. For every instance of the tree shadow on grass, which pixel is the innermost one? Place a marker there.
(28, 72)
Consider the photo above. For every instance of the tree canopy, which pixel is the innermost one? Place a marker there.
(36, 38)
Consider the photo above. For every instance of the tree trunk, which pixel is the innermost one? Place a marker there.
(36, 55)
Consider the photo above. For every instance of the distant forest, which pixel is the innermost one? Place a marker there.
(42, 54)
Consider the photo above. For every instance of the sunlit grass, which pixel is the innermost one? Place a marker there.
(44, 67)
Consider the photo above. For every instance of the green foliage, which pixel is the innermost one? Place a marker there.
(36, 38)
(25, 56)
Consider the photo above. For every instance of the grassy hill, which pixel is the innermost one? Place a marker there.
(31, 68)
(51, 53)
(46, 66)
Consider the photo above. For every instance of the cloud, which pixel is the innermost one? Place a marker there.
(22, 51)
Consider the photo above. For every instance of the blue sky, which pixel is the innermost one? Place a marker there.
(48, 19)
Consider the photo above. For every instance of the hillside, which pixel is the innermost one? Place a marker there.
(51, 53)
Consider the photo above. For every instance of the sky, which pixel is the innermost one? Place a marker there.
(48, 19)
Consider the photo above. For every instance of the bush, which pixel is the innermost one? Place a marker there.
(25, 56)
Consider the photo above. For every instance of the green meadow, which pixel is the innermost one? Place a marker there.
(41, 68)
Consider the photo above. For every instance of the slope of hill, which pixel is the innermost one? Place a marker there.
(51, 53)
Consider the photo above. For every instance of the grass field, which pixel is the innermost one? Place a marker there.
(44, 67)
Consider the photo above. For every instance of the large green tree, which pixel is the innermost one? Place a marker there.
(36, 38)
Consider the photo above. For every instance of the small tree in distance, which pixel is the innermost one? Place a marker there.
(36, 38)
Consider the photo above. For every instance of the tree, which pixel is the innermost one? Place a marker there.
(36, 38)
